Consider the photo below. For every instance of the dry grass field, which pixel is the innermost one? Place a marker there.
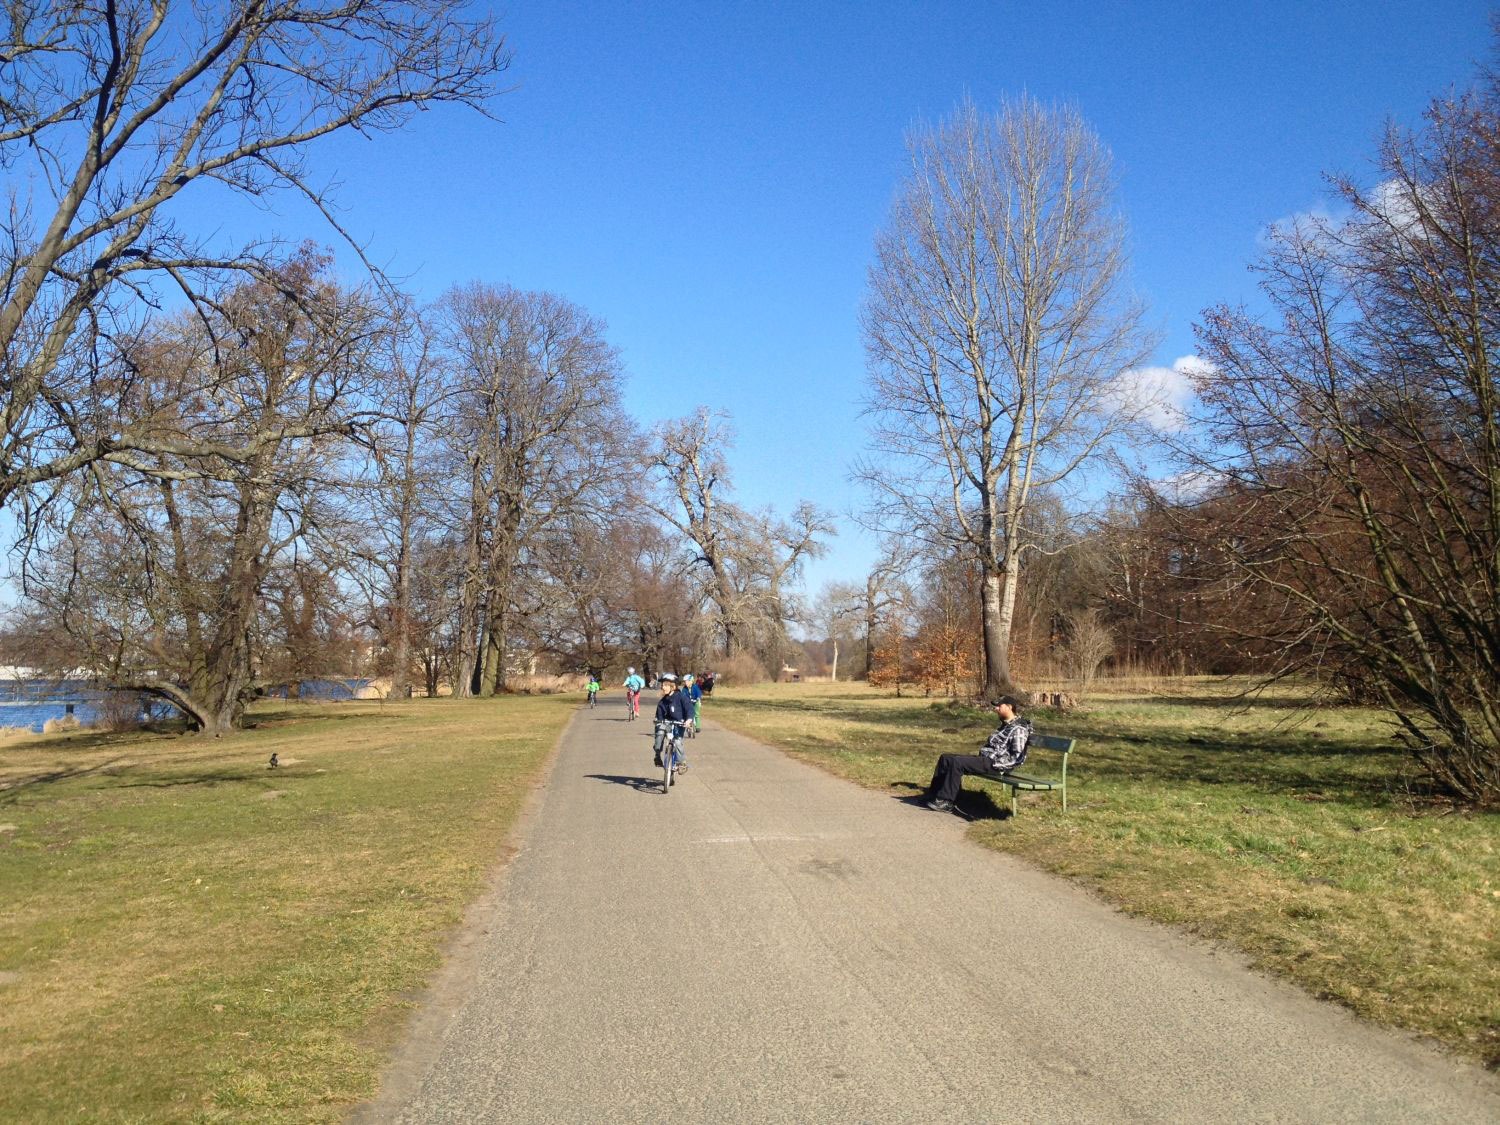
(191, 935)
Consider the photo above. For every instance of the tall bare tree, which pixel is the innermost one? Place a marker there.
(836, 613)
(689, 458)
(997, 326)
(537, 427)
(397, 489)
(110, 110)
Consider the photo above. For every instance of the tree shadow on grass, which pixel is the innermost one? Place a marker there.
(917, 714)
(263, 718)
(1298, 761)
(639, 784)
(12, 787)
(206, 777)
(1332, 769)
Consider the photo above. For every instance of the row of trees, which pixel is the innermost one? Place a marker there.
(454, 489)
(229, 469)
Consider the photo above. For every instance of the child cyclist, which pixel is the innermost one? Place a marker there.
(695, 694)
(593, 688)
(633, 686)
(671, 712)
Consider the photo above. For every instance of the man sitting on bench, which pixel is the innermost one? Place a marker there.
(1005, 750)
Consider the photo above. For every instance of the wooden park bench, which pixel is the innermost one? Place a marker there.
(1031, 781)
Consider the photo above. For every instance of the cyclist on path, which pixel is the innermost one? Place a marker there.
(695, 694)
(633, 686)
(669, 710)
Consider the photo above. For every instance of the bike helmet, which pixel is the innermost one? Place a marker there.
(668, 678)
(630, 671)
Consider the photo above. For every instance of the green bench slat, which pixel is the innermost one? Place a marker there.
(1020, 782)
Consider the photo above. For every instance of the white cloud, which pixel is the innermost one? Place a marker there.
(1189, 486)
(1161, 394)
(1311, 225)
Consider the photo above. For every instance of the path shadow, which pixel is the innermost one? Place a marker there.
(639, 784)
(971, 805)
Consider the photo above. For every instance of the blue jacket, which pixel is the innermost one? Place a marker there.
(671, 707)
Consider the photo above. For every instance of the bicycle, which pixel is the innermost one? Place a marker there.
(633, 699)
(668, 746)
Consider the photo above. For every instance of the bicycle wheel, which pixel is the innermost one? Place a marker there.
(668, 757)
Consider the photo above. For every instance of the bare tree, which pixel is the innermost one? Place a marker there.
(689, 459)
(1089, 645)
(997, 328)
(112, 109)
(747, 559)
(1352, 446)
(886, 592)
(193, 540)
(396, 489)
(837, 612)
(537, 427)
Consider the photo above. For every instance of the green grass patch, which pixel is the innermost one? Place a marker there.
(191, 935)
(1298, 838)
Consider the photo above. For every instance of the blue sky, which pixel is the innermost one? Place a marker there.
(709, 178)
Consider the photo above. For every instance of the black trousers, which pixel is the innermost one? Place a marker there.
(948, 777)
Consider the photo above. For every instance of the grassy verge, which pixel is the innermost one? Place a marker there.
(1291, 838)
(190, 935)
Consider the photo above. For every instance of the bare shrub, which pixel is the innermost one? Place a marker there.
(543, 684)
(118, 710)
(741, 668)
(1090, 646)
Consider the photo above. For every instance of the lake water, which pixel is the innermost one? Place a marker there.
(29, 704)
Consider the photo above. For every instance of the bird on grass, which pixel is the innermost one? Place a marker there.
(274, 762)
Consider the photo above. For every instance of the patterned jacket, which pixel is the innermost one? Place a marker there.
(1006, 748)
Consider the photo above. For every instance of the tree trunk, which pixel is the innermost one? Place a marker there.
(998, 603)
(495, 645)
(497, 626)
(834, 671)
(401, 611)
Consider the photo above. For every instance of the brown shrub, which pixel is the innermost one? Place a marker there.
(741, 668)
(118, 710)
(543, 684)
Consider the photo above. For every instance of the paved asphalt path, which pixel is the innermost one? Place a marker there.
(770, 944)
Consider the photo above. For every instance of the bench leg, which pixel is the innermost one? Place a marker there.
(1012, 800)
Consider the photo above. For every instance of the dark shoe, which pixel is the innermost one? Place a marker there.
(937, 804)
(657, 762)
